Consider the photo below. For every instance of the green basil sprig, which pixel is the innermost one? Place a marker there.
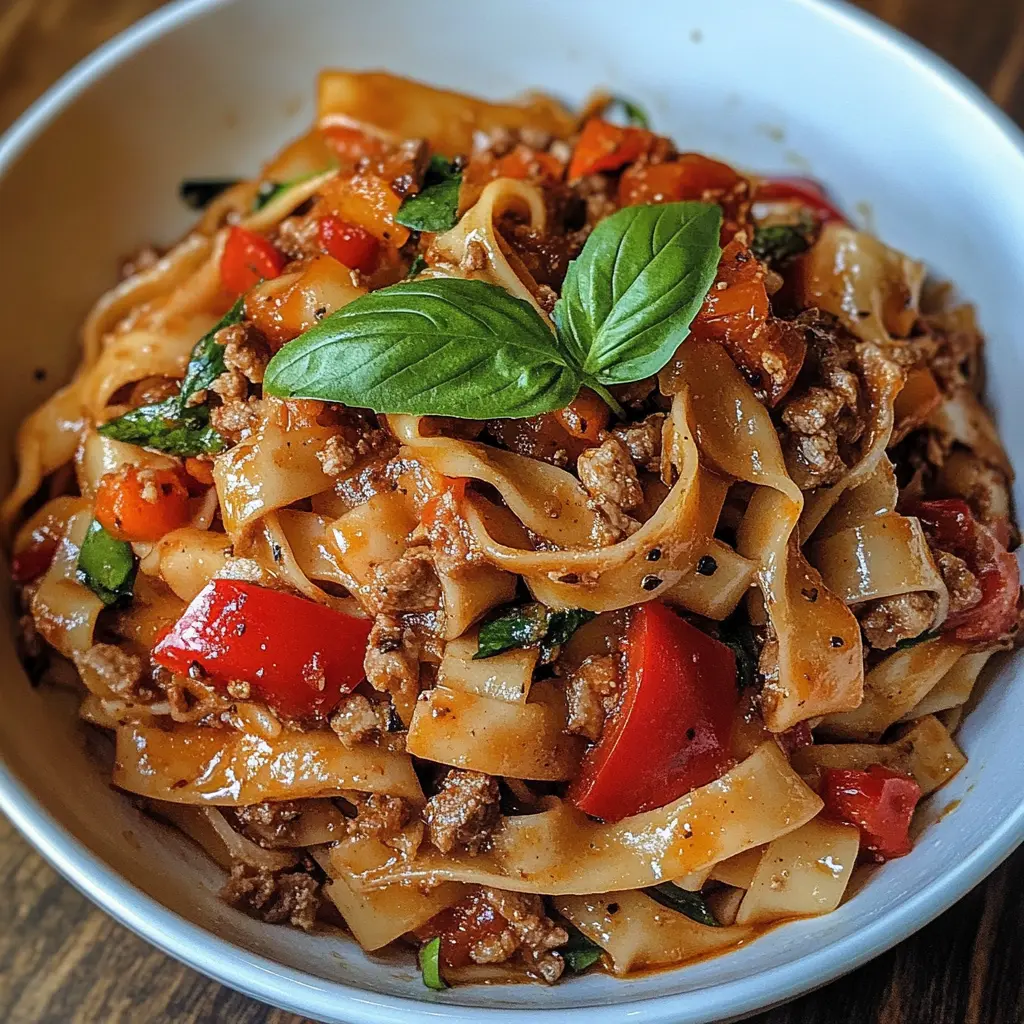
(173, 426)
(436, 206)
(777, 244)
(692, 904)
(106, 565)
(467, 349)
(632, 113)
(529, 625)
(579, 953)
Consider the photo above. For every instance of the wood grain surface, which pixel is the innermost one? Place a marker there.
(63, 961)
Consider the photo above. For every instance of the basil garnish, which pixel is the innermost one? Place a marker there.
(106, 565)
(779, 243)
(579, 952)
(173, 426)
(629, 299)
(430, 965)
(198, 193)
(529, 625)
(913, 641)
(634, 114)
(270, 190)
(467, 349)
(737, 634)
(418, 265)
(692, 904)
(436, 206)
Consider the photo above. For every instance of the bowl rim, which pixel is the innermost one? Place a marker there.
(300, 992)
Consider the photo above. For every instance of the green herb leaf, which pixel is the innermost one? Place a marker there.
(692, 904)
(778, 243)
(436, 206)
(172, 425)
(579, 952)
(270, 190)
(921, 638)
(106, 566)
(418, 265)
(529, 625)
(438, 347)
(634, 114)
(430, 965)
(630, 296)
(737, 634)
(198, 193)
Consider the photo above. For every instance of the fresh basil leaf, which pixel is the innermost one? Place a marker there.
(737, 634)
(270, 190)
(778, 243)
(437, 347)
(436, 206)
(579, 953)
(418, 265)
(692, 904)
(106, 565)
(206, 363)
(634, 114)
(629, 298)
(198, 193)
(166, 428)
(529, 625)
(921, 638)
(430, 965)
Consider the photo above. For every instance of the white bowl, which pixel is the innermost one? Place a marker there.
(212, 87)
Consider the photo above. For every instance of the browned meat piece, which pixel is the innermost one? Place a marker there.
(237, 419)
(297, 237)
(245, 350)
(982, 486)
(356, 720)
(643, 440)
(407, 584)
(116, 669)
(608, 474)
(266, 823)
(380, 816)
(530, 932)
(231, 386)
(592, 692)
(889, 620)
(392, 661)
(291, 897)
(598, 193)
(464, 812)
(962, 584)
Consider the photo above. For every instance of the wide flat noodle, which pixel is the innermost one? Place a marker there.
(819, 643)
(563, 852)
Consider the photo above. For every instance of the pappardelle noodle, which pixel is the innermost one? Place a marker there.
(518, 540)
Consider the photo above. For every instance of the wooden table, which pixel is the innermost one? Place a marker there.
(63, 961)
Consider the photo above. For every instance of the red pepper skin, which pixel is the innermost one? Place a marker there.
(950, 525)
(671, 732)
(297, 657)
(801, 190)
(248, 258)
(32, 561)
(349, 244)
(879, 801)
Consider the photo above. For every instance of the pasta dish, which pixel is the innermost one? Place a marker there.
(513, 539)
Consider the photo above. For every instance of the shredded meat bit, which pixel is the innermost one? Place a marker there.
(530, 932)
(237, 418)
(116, 669)
(231, 386)
(464, 813)
(643, 440)
(355, 720)
(246, 350)
(291, 897)
(268, 822)
(609, 475)
(889, 620)
(591, 693)
(380, 816)
(962, 584)
(406, 584)
(392, 661)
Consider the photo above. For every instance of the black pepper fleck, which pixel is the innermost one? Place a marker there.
(707, 566)
(613, 908)
(836, 641)
(654, 554)
(39, 373)
(811, 595)
(650, 582)
(691, 734)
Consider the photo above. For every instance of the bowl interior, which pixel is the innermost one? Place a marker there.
(218, 90)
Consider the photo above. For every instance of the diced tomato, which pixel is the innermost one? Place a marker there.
(586, 416)
(524, 162)
(142, 504)
(248, 258)
(690, 176)
(805, 191)
(461, 927)
(348, 243)
(950, 525)
(603, 146)
(879, 801)
(32, 561)
(671, 732)
(795, 737)
(297, 657)
(352, 144)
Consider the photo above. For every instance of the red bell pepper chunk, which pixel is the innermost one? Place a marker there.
(32, 561)
(805, 191)
(671, 732)
(603, 146)
(297, 657)
(950, 525)
(247, 259)
(348, 243)
(879, 801)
